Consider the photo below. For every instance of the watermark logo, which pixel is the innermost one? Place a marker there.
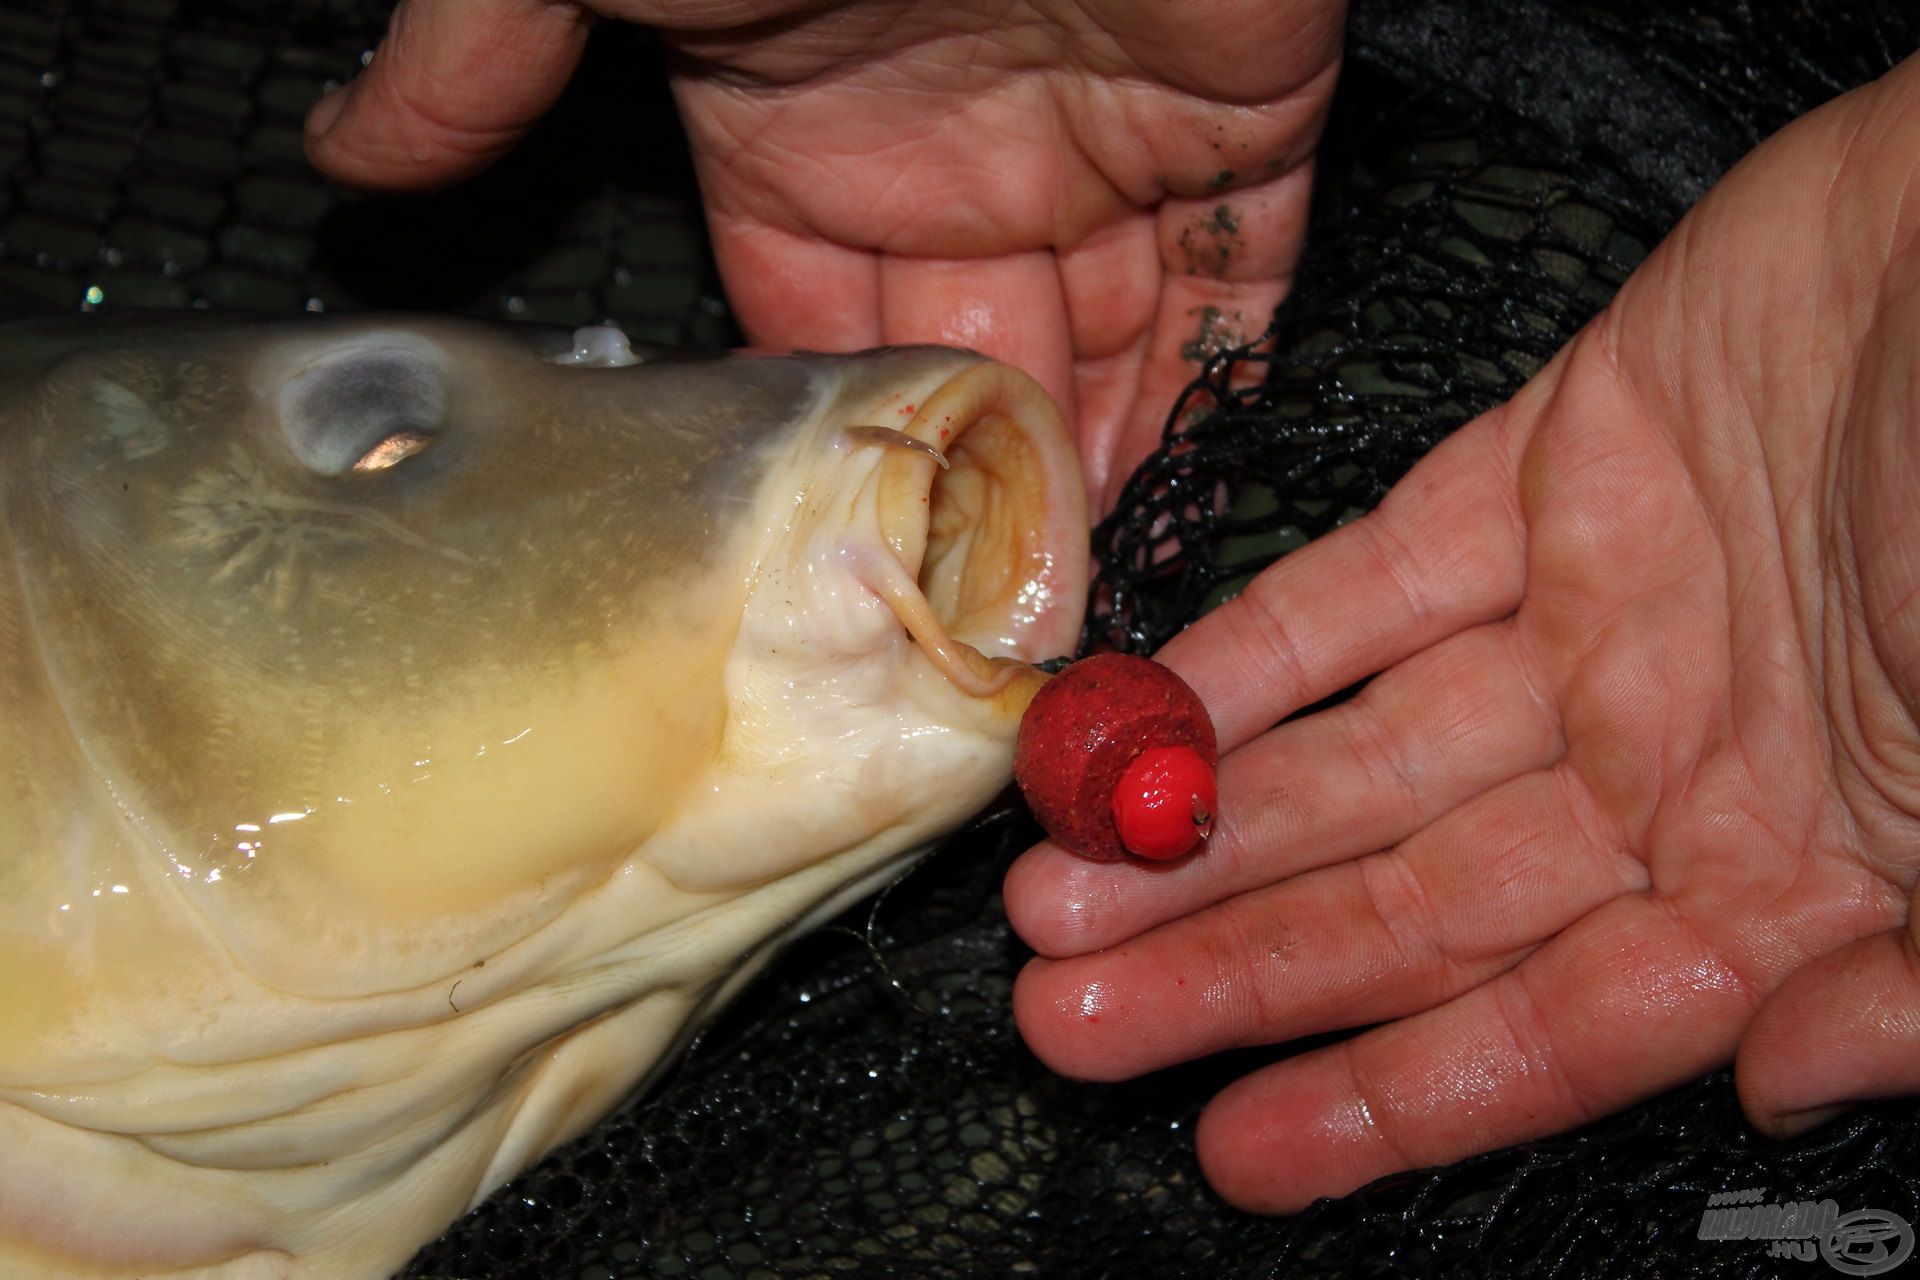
(1865, 1242)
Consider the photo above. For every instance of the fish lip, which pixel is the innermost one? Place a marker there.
(1005, 526)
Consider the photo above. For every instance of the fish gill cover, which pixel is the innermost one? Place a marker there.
(1493, 171)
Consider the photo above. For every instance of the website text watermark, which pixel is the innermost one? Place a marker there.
(1865, 1242)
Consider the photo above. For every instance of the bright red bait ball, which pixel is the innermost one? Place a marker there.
(1164, 802)
(1084, 729)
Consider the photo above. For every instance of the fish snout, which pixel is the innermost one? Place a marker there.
(886, 650)
(981, 512)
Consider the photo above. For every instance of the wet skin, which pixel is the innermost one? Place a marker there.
(1633, 790)
(1038, 181)
(416, 727)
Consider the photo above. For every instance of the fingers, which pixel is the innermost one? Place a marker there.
(1843, 1029)
(1009, 307)
(1152, 298)
(1624, 1004)
(453, 86)
(1111, 284)
(1384, 937)
(1095, 325)
(791, 290)
(1445, 551)
(1441, 727)
(1226, 262)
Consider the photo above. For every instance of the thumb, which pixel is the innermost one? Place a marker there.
(453, 86)
(1842, 1029)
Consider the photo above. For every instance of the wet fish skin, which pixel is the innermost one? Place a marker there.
(363, 833)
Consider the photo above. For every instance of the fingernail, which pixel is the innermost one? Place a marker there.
(1795, 1123)
(326, 112)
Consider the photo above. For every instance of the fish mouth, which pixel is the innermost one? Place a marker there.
(983, 512)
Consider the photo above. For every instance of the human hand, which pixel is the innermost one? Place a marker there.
(1636, 782)
(1068, 187)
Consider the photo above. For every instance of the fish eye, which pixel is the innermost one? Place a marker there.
(392, 451)
(364, 409)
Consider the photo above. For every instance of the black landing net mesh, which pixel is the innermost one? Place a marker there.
(1492, 173)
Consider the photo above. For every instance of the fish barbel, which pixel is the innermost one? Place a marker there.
(411, 728)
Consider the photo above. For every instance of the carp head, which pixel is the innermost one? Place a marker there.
(416, 726)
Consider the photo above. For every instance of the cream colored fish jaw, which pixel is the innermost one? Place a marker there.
(973, 574)
(893, 584)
